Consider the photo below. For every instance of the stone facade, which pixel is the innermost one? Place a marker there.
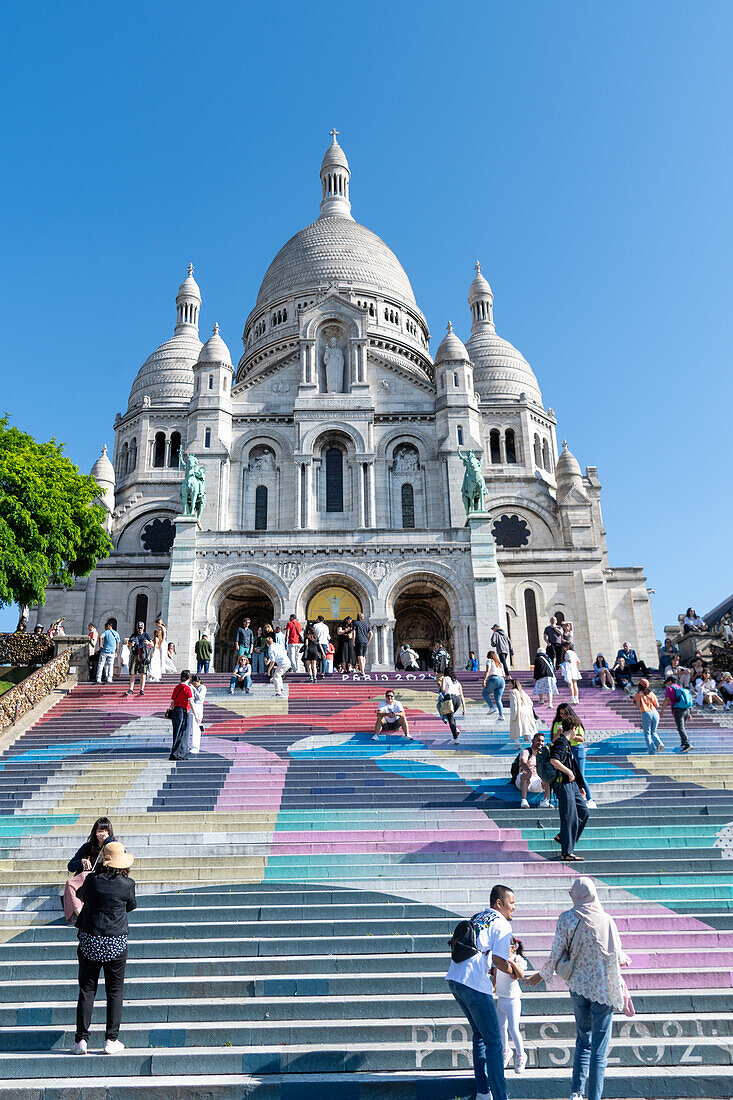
(331, 459)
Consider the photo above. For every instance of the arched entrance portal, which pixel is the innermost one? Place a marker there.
(422, 617)
(245, 600)
(334, 603)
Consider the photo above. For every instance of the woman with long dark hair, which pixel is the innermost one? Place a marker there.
(108, 896)
(85, 858)
(576, 737)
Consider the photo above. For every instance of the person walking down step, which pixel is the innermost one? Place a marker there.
(647, 704)
(590, 937)
(293, 639)
(108, 644)
(469, 981)
(141, 650)
(522, 721)
(509, 1006)
(108, 896)
(573, 807)
(501, 644)
(545, 684)
(576, 737)
(570, 668)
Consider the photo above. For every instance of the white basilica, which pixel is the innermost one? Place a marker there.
(333, 474)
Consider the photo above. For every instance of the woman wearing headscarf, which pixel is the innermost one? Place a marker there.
(108, 896)
(596, 987)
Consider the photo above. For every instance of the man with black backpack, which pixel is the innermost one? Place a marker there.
(477, 945)
(680, 700)
(439, 658)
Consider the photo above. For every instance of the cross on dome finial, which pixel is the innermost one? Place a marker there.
(190, 269)
(450, 327)
(478, 268)
(215, 329)
(104, 448)
(565, 444)
(334, 134)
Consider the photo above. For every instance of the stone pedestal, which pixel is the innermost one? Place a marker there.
(178, 590)
(488, 582)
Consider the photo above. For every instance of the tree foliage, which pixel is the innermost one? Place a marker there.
(50, 526)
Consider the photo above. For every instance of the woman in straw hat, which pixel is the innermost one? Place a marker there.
(108, 896)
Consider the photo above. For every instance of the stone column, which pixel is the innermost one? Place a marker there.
(178, 588)
(298, 501)
(371, 472)
(307, 495)
(360, 496)
(488, 581)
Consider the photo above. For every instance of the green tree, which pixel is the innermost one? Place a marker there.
(50, 526)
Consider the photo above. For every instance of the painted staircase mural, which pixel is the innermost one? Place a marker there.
(298, 882)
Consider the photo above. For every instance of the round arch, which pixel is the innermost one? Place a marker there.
(244, 593)
(389, 442)
(333, 429)
(272, 438)
(310, 582)
(429, 603)
(532, 512)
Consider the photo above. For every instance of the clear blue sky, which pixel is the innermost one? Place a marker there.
(581, 152)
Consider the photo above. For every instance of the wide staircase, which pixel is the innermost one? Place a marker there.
(298, 883)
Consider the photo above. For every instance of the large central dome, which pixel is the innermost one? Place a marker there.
(335, 249)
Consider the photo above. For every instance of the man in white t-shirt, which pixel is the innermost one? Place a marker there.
(391, 717)
(470, 984)
(324, 637)
(277, 664)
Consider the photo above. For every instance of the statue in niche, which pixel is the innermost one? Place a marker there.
(264, 463)
(405, 461)
(333, 360)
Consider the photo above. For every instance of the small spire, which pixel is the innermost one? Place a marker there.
(449, 327)
(104, 449)
(565, 445)
(215, 329)
(478, 268)
(334, 134)
(190, 269)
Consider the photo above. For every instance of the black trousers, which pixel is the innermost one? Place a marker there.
(179, 749)
(554, 651)
(573, 815)
(114, 980)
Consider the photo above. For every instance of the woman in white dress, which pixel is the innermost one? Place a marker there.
(169, 664)
(124, 670)
(522, 723)
(155, 675)
(571, 672)
(196, 715)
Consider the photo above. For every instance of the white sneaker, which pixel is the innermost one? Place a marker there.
(80, 1047)
(507, 1057)
(577, 1096)
(113, 1046)
(524, 804)
(591, 804)
(545, 804)
(520, 1064)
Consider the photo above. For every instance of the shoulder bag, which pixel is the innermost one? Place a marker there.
(566, 962)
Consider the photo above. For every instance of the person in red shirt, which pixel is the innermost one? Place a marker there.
(180, 706)
(293, 639)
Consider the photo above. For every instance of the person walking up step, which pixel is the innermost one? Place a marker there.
(573, 807)
(679, 699)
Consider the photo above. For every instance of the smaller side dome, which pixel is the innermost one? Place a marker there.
(334, 157)
(335, 176)
(451, 349)
(215, 350)
(103, 471)
(568, 473)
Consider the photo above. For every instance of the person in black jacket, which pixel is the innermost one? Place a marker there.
(108, 896)
(85, 858)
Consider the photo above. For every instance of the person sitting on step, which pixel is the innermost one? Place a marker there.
(528, 781)
(391, 717)
(634, 665)
(241, 676)
(603, 675)
(622, 676)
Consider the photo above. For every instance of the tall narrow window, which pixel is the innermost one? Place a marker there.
(494, 447)
(141, 608)
(511, 446)
(459, 434)
(530, 612)
(211, 381)
(261, 508)
(124, 460)
(537, 452)
(546, 455)
(408, 505)
(159, 450)
(334, 480)
(175, 451)
(133, 458)
(207, 437)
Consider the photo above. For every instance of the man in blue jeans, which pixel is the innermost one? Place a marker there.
(470, 984)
